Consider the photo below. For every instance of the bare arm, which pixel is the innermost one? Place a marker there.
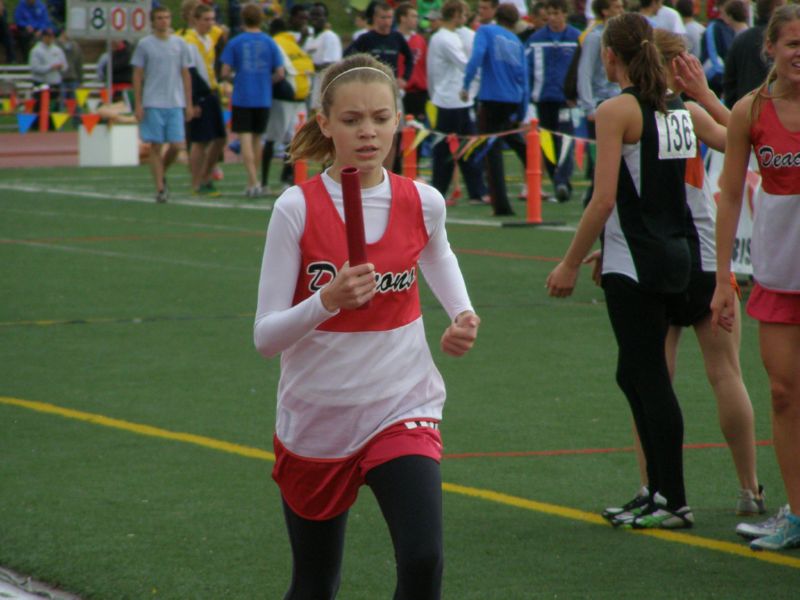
(187, 91)
(690, 75)
(707, 129)
(616, 119)
(138, 79)
(731, 183)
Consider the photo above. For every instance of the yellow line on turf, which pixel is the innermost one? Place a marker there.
(579, 515)
(462, 490)
(148, 430)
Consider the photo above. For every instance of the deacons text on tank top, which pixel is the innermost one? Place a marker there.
(775, 244)
(323, 247)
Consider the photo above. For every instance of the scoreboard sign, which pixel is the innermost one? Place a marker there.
(108, 19)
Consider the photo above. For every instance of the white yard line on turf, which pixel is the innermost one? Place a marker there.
(136, 257)
(62, 214)
(216, 203)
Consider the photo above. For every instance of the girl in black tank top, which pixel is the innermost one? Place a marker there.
(639, 207)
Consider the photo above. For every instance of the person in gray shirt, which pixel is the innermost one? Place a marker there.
(163, 94)
(593, 83)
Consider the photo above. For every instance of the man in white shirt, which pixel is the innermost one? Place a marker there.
(662, 17)
(446, 63)
(47, 62)
(324, 46)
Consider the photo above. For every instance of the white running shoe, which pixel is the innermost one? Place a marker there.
(748, 503)
(765, 528)
(787, 536)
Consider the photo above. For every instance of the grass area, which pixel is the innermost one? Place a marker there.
(115, 306)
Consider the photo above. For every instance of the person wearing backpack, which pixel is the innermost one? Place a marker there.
(289, 97)
(717, 39)
(549, 52)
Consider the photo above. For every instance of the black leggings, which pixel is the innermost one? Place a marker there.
(640, 323)
(409, 493)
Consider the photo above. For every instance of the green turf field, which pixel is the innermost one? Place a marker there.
(136, 417)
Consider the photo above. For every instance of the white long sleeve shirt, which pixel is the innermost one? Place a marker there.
(447, 61)
(337, 390)
(42, 60)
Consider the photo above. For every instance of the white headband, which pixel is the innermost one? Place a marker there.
(381, 71)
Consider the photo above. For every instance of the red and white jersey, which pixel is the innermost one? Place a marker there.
(702, 211)
(775, 246)
(323, 247)
(347, 376)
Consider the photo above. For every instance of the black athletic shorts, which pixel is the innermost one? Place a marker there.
(249, 120)
(697, 301)
(210, 125)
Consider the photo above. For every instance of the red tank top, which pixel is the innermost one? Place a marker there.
(778, 152)
(323, 248)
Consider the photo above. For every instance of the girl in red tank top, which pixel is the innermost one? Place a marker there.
(768, 121)
(359, 400)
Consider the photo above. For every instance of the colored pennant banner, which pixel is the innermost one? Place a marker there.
(421, 135)
(548, 148)
(59, 119)
(24, 121)
(432, 112)
(81, 95)
(89, 122)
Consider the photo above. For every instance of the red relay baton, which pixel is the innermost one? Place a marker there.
(354, 218)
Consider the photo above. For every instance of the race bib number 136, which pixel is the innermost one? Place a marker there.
(675, 135)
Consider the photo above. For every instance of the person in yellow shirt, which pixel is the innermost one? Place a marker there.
(207, 43)
(206, 131)
(288, 101)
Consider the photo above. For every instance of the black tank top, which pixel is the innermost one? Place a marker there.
(645, 237)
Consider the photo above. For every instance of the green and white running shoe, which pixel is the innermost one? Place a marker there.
(787, 536)
(641, 503)
(765, 528)
(664, 518)
(641, 499)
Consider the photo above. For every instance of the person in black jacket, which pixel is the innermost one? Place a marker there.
(746, 65)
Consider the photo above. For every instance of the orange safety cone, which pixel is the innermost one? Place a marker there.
(455, 195)
(300, 165)
(533, 174)
(409, 155)
(44, 110)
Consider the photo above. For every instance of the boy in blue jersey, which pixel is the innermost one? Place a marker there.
(256, 61)
(550, 51)
(503, 94)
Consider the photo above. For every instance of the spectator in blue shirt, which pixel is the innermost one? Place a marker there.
(32, 19)
(550, 51)
(717, 40)
(502, 96)
(256, 61)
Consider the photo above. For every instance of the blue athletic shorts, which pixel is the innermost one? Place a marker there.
(162, 126)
